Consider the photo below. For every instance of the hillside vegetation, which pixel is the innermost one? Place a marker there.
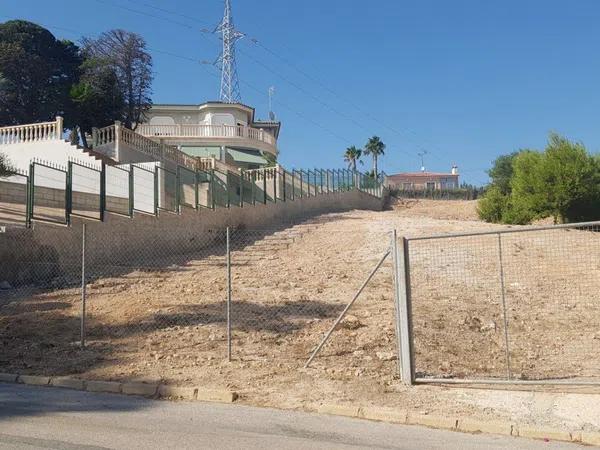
(561, 182)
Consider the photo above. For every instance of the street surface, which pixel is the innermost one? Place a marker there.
(50, 418)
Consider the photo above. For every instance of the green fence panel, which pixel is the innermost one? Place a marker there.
(49, 192)
(204, 183)
(118, 194)
(166, 190)
(188, 187)
(14, 198)
(85, 197)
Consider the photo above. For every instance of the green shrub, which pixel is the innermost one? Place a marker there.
(492, 205)
(563, 182)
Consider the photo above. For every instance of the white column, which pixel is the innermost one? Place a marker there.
(59, 127)
(117, 139)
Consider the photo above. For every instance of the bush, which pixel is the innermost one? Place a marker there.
(563, 182)
(5, 168)
(492, 205)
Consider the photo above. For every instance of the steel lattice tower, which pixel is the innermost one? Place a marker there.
(230, 86)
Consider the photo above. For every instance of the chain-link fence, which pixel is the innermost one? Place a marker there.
(521, 304)
(236, 307)
(251, 306)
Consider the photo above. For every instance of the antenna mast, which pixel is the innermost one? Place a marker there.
(422, 154)
(230, 86)
(271, 94)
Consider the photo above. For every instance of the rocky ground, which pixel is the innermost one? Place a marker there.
(289, 286)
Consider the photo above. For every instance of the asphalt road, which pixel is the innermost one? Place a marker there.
(53, 418)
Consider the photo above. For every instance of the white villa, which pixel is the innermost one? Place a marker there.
(227, 132)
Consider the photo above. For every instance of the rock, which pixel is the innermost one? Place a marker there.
(351, 323)
(489, 327)
(5, 285)
(386, 356)
(473, 323)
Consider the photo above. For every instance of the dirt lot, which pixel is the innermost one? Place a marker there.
(169, 324)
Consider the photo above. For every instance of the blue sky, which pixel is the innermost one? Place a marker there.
(465, 80)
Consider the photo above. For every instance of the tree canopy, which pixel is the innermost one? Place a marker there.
(97, 99)
(562, 182)
(41, 77)
(352, 156)
(376, 148)
(36, 73)
(126, 54)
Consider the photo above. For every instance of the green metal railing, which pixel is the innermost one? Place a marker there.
(54, 193)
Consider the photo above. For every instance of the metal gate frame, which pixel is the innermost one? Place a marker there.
(404, 318)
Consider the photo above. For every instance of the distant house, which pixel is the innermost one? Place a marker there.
(228, 132)
(415, 181)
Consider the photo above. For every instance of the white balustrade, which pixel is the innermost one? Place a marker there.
(207, 131)
(32, 132)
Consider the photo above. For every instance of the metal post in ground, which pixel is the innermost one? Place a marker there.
(504, 312)
(346, 309)
(228, 294)
(83, 285)
(403, 314)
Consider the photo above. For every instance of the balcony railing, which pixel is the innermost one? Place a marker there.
(207, 131)
(32, 132)
(117, 135)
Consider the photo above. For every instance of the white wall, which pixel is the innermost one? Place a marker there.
(57, 152)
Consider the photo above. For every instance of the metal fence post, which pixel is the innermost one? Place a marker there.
(504, 312)
(178, 188)
(103, 192)
(69, 193)
(30, 194)
(403, 309)
(241, 186)
(212, 189)
(83, 285)
(131, 191)
(228, 294)
(274, 173)
(196, 190)
(264, 176)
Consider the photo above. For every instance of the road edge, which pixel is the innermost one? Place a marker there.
(378, 414)
(148, 390)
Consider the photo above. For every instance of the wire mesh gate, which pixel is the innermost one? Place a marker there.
(517, 306)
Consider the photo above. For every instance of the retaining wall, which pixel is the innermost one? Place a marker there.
(47, 251)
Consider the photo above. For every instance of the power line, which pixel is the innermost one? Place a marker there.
(285, 79)
(205, 65)
(302, 72)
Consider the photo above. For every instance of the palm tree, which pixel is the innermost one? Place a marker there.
(375, 147)
(351, 156)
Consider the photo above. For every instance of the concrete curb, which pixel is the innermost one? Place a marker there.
(391, 415)
(150, 390)
(460, 424)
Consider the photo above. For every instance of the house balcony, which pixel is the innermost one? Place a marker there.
(212, 135)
